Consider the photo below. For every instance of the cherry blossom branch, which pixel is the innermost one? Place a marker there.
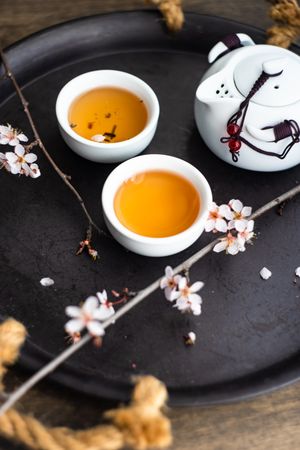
(38, 141)
(139, 297)
(188, 263)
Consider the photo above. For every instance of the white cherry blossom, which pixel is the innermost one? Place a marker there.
(169, 283)
(216, 218)
(106, 308)
(240, 214)
(11, 136)
(89, 316)
(187, 299)
(229, 243)
(19, 160)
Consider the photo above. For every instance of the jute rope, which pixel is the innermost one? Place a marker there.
(171, 11)
(286, 13)
(140, 425)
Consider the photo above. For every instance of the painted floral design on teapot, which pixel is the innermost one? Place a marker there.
(247, 106)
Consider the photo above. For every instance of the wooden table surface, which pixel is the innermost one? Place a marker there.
(269, 422)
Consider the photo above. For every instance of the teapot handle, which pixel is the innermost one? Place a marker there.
(227, 44)
(275, 133)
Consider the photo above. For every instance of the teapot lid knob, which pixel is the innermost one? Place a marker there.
(274, 67)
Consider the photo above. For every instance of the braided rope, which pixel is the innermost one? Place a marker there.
(172, 13)
(286, 14)
(140, 425)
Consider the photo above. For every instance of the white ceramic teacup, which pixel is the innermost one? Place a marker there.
(108, 152)
(150, 246)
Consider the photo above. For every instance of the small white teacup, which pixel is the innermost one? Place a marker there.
(106, 152)
(150, 246)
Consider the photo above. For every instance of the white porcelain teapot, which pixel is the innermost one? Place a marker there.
(247, 106)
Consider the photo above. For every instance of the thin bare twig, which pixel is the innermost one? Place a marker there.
(140, 296)
(66, 178)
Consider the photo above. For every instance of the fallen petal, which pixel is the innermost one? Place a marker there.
(47, 281)
(265, 273)
(98, 138)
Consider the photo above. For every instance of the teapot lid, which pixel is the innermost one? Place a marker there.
(280, 90)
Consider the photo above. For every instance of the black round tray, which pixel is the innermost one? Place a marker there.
(248, 336)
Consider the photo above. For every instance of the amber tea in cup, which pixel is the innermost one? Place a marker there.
(157, 203)
(108, 115)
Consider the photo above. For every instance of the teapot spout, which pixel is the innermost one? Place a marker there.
(213, 93)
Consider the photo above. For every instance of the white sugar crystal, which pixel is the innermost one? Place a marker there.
(297, 272)
(265, 273)
(46, 281)
(192, 336)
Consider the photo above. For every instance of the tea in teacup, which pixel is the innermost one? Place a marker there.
(108, 115)
(157, 203)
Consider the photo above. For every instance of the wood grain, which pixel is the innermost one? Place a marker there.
(18, 18)
(270, 422)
